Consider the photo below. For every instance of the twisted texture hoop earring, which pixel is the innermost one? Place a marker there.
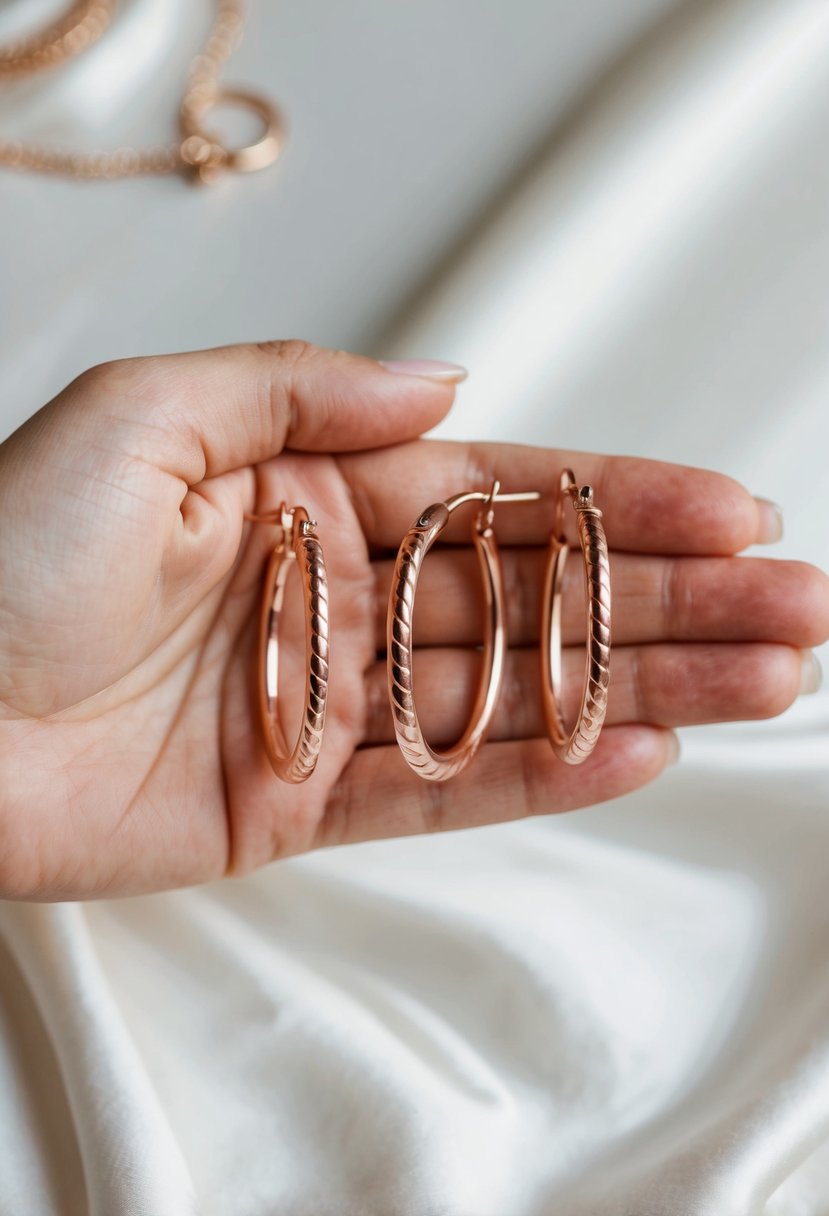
(575, 746)
(299, 546)
(424, 760)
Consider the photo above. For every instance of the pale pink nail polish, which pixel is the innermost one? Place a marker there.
(672, 749)
(811, 673)
(427, 369)
(770, 517)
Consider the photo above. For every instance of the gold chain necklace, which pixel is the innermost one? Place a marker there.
(198, 152)
(75, 30)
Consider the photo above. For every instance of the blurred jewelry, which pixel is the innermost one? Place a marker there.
(77, 27)
(297, 545)
(422, 759)
(199, 152)
(575, 745)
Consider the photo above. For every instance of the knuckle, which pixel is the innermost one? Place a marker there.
(288, 352)
(678, 604)
(521, 605)
(666, 681)
(513, 698)
(364, 508)
(96, 381)
(134, 398)
(377, 705)
(479, 466)
(641, 682)
(287, 359)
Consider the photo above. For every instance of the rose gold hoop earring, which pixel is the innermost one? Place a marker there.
(576, 745)
(421, 758)
(298, 545)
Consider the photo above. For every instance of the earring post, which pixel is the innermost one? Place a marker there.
(459, 500)
(524, 496)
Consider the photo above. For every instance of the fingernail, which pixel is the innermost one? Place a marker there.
(672, 749)
(427, 369)
(770, 517)
(811, 672)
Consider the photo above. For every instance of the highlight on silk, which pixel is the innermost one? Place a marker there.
(414, 747)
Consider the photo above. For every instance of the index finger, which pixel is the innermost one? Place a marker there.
(648, 506)
(203, 413)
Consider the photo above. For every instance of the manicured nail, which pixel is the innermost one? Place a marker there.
(427, 369)
(811, 672)
(771, 521)
(672, 749)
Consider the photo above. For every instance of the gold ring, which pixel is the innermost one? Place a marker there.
(205, 153)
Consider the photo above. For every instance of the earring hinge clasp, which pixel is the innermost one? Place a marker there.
(293, 521)
(486, 516)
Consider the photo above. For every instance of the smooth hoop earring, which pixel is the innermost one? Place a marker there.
(424, 760)
(298, 545)
(575, 746)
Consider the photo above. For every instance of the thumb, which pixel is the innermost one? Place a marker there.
(207, 412)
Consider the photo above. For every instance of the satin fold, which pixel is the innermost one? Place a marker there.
(620, 1012)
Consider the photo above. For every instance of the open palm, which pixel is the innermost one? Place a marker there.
(130, 749)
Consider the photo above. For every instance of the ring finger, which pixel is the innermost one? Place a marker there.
(654, 599)
(663, 684)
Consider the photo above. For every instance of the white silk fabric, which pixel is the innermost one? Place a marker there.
(620, 1012)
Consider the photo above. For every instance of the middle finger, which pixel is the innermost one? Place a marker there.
(655, 599)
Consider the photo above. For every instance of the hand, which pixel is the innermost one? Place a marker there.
(130, 750)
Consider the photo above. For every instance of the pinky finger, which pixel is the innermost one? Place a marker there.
(378, 796)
